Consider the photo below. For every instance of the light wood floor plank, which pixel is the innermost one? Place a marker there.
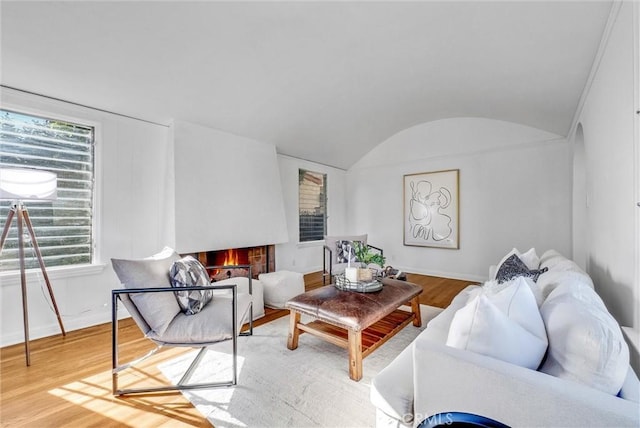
(69, 380)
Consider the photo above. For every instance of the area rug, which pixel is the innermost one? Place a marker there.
(306, 387)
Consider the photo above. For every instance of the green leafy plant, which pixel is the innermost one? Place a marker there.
(367, 255)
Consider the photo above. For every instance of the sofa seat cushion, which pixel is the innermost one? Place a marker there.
(586, 344)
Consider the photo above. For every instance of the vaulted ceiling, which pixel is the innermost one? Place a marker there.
(324, 81)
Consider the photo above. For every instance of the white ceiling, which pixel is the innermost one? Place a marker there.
(324, 81)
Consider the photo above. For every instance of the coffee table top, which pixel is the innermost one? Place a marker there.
(353, 310)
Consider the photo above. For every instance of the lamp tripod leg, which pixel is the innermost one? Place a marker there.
(23, 277)
(27, 221)
(7, 226)
(23, 283)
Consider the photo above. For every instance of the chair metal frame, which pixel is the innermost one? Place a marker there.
(328, 253)
(183, 382)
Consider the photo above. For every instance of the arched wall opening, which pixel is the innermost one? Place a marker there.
(580, 230)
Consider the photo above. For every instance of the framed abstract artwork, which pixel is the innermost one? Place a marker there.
(432, 209)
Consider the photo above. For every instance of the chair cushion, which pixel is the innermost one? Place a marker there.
(157, 309)
(212, 324)
(189, 272)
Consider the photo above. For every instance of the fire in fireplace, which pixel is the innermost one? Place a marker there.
(261, 259)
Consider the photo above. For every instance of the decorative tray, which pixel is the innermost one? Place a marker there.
(342, 283)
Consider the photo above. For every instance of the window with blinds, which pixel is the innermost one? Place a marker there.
(62, 227)
(312, 205)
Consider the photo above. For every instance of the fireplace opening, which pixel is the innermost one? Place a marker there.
(260, 258)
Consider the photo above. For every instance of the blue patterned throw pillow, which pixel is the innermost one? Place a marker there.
(513, 267)
(342, 248)
(189, 272)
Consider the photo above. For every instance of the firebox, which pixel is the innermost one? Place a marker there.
(261, 259)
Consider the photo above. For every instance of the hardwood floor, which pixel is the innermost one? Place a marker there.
(69, 380)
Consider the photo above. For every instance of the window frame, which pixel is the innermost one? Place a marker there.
(52, 111)
(326, 207)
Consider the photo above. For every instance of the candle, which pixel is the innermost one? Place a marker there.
(351, 274)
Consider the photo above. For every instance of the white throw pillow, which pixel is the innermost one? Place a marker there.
(530, 258)
(506, 325)
(494, 287)
(585, 342)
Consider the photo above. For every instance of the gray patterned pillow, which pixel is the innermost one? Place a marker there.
(513, 267)
(189, 272)
(342, 248)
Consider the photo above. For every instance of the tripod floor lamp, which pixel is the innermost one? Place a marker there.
(19, 185)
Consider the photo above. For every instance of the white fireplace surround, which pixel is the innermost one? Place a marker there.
(217, 182)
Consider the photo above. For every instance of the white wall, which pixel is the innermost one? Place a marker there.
(307, 257)
(227, 191)
(607, 120)
(515, 191)
(131, 159)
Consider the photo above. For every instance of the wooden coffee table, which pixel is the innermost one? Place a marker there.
(359, 322)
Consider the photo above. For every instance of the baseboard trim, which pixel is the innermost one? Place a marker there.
(53, 329)
(442, 274)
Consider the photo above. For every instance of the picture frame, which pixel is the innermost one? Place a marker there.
(431, 214)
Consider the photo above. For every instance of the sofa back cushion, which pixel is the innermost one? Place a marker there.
(586, 344)
(561, 270)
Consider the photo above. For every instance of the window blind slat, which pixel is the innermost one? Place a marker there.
(62, 227)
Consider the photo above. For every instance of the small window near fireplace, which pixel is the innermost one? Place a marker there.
(312, 205)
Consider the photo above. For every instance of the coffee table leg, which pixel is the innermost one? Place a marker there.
(294, 333)
(355, 355)
(415, 308)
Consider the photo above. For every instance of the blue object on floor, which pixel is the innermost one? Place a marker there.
(459, 420)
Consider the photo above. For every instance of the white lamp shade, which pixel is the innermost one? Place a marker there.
(28, 184)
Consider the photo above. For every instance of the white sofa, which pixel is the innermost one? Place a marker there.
(567, 389)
